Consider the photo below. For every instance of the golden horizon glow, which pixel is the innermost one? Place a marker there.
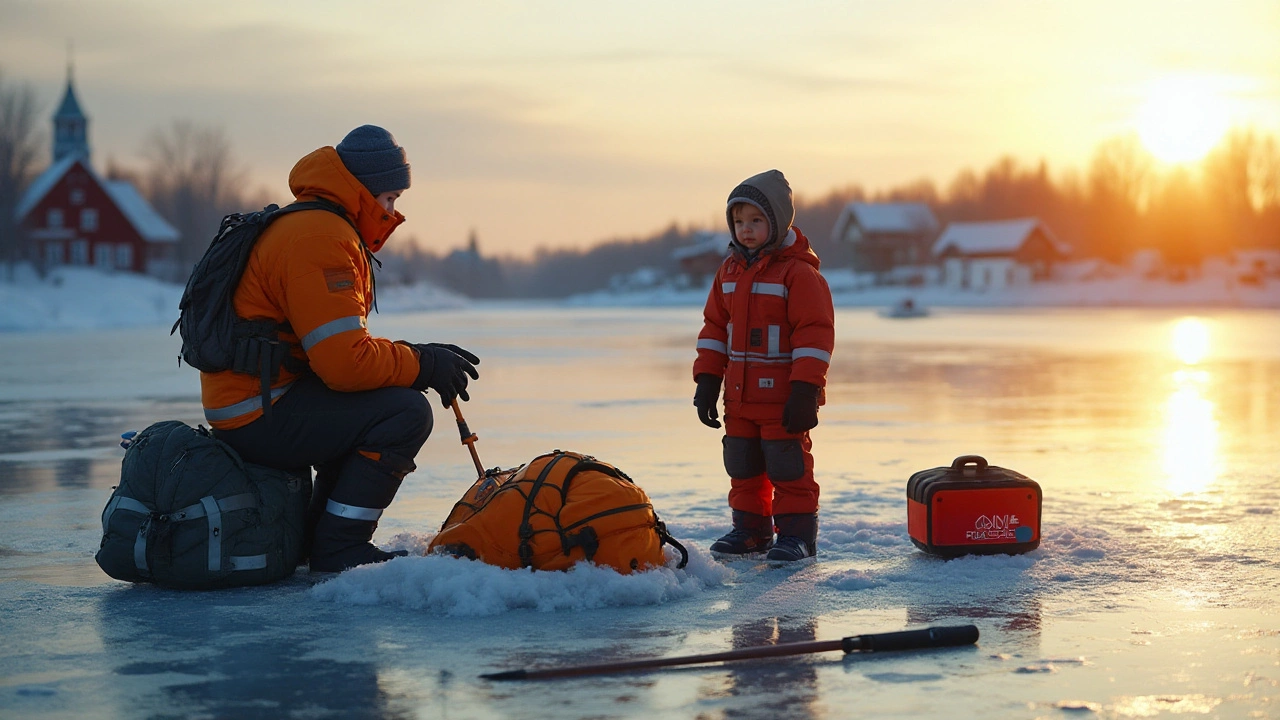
(1182, 118)
(567, 125)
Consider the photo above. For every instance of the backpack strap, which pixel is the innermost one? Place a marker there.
(258, 347)
(570, 541)
(526, 529)
(664, 537)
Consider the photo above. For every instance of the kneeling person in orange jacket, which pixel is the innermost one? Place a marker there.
(767, 337)
(348, 403)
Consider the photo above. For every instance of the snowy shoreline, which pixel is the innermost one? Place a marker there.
(85, 298)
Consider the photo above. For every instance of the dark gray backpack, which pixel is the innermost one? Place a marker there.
(190, 514)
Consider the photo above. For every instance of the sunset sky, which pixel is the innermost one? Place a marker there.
(565, 123)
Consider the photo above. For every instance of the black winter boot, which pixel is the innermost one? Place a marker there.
(326, 479)
(364, 489)
(751, 535)
(797, 538)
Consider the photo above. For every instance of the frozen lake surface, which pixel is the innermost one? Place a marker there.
(1155, 435)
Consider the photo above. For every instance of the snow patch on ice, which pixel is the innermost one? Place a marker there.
(458, 587)
(853, 580)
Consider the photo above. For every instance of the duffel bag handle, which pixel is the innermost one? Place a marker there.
(964, 462)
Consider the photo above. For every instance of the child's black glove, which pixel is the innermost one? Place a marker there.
(706, 398)
(800, 414)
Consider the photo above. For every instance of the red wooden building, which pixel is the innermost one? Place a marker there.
(70, 215)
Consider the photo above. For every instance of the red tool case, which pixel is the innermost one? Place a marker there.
(973, 508)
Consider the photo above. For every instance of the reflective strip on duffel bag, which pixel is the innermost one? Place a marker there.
(207, 507)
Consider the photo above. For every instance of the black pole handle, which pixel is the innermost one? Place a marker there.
(948, 636)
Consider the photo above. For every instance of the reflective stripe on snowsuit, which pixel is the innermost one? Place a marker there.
(766, 325)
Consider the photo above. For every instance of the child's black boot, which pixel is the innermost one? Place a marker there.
(751, 535)
(797, 538)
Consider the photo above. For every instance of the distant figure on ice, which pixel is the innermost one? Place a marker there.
(767, 337)
(345, 402)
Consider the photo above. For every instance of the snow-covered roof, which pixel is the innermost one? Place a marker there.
(988, 238)
(139, 212)
(41, 186)
(886, 217)
(717, 243)
(135, 208)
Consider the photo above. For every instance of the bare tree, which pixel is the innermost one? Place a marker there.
(19, 146)
(192, 180)
(1119, 187)
(1241, 176)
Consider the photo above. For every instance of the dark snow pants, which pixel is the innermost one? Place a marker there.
(362, 444)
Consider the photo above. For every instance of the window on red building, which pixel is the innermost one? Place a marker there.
(79, 252)
(102, 256)
(53, 253)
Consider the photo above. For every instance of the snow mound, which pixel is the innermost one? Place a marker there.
(457, 587)
(84, 298)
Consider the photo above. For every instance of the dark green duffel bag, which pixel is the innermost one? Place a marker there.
(190, 514)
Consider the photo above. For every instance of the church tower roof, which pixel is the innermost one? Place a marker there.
(70, 107)
(70, 125)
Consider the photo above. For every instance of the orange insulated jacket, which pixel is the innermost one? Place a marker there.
(766, 325)
(311, 270)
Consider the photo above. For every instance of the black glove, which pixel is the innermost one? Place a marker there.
(444, 368)
(706, 397)
(800, 414)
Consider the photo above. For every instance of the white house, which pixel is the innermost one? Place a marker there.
(990, 255)
(887, 237)
(1257, 263)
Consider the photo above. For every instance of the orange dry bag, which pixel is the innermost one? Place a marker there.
(556, 510)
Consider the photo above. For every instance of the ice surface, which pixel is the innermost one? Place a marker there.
(1151, 595)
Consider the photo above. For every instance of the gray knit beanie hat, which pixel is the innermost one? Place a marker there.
(372, 155)
(771, 194)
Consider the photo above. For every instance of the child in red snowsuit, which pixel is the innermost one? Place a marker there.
(767, 337)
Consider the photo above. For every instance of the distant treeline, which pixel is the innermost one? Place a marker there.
(1122, 203)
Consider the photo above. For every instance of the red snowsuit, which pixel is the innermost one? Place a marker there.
(764, 326)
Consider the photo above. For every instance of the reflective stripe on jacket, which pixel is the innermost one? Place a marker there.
(767, 324)
(311, 270)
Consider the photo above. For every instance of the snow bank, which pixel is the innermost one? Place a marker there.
(452, 586)
(1213, 288)
(83, 298)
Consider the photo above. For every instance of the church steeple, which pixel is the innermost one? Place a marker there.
(70, 126)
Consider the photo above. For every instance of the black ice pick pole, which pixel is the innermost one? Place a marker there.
(934, 637)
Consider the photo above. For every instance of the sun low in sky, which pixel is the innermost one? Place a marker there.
(1183, 116)
(567, 123)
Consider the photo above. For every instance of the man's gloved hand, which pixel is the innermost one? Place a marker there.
(444, 368)
(706, 397)
(800, 414)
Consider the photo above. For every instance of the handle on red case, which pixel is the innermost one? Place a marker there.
(961, 463)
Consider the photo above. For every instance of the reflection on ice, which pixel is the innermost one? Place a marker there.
(1190, 340)
(1191, 435)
